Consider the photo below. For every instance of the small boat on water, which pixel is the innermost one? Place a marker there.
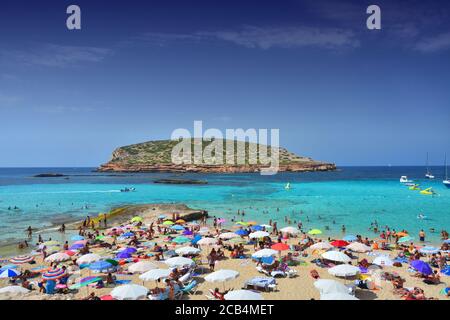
(428, 191)
(287, 186)
(414, 187)
(446, 181)
(127, 190)
(404, 180)
(428, 175)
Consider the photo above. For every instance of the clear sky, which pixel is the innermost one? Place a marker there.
(140, 69)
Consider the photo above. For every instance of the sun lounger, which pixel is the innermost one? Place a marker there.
(261, 283)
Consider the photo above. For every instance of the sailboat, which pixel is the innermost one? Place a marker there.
(428, 175)
(446, 181)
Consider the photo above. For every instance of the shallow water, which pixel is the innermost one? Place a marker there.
(354, 196)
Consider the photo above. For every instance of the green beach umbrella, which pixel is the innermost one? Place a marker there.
(181, 239)
(405, 239)
(168, 223)
(100, 237)
(112, 261)
(314, 231)
(84, 282)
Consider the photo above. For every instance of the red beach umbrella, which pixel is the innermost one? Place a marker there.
(339, 243)
(280, 246)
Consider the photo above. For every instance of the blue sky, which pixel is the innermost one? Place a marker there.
(140, 69)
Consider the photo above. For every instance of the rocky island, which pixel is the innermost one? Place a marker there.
(155, 156)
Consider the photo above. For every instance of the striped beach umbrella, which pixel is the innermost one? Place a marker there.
(21, 259)
(54, 274)
(100, 266)
(58, 257)
(84, 282)
(9, 273)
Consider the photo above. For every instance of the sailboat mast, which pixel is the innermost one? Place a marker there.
(446, 174)
(428, 168)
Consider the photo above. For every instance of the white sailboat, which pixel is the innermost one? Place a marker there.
(446, 181)
(428, 175)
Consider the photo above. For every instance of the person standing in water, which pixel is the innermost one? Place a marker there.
(29, 232)
(422, 236)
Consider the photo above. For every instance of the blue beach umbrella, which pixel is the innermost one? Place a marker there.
(100, 265)
(162, 216)
(447, 241)
(123, 255)
(422, 267)
(9, 273)
(177, 227)
(350, 238)
(76, 238)
(181, 239)
(196, 239)
(446, 271)
(241, 232)
(257, 228)
(76, 246)
(429, 250)
(129, 250)
(128, 234)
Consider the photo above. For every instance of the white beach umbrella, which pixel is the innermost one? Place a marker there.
(264, 253)
(142, 266)
(58, 257)
(155, 274)
(323, 245)
(89, 258)
(243, 295)
(326, 286)
(258, 234)
(336, 256)
(358, 247)
(290, 230)
(207, 242)
(14, 290)
(343, 270)
(383, 261)
(177, 262)
(429, 250)
(187, 250)
(338, 296)
(222, 275)
(129, 292)
(228, 235)
(267, 226)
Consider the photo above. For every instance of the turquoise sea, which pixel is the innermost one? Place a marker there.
(354, 196)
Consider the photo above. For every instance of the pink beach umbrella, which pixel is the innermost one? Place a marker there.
(21, 259)
(54, 274)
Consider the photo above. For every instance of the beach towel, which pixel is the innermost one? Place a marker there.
(123, 281)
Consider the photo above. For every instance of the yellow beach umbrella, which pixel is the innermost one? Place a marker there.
(252, 223)
(180, 221)
(136, 219)
(242, 223)
(314, 231)
(402, 234)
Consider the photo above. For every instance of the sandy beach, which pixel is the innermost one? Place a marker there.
(164, 217)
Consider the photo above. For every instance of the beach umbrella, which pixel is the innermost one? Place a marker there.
(100, 237)
(54, 274)
(155, 274)
(243, 295)
(107, 297)
(290, 230)
(280, 246)
(339, 243)
(405, 239)
(136, 219)
(266, 226)
(264, 253)
(241, 232)
(242, 223)
(358, 247)
(187, 232)
(187, 250)
(383, 261)
(422, 267)
(76, 238)
(51, 243)
(21, 259)
(70, 252)
(123, 255)
(350, 237)
(168, 223)
(88, 258)
(129, 250)
(9, 273)
(162, 216)
(343, 270)
(429, 250)
(323, 245)
(100, 266)
(76, 246)
(258, 234)
(14, 290)
(84, 282)
(228, 235)
(207, 242)
(129, 292)
(222, 275)
(196, 239)
(181, 239)
(180, 221)
(257, 228)
(176, 262)
(58, 257)
(336, 256)
(401, 234)
(53, 249)
(221, 220)
(128, 234)
(326, 286)
(177, 227)
(446, 271)
(9, 266)
(142, 266)
(314, 232)
(112, 261)
(337, 296)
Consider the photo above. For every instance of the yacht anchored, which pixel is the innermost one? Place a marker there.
(428, 175)
(446, 181)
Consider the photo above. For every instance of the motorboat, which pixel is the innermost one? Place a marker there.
(404, 180)
(414, 187)
(427, 191)
(127, 190)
